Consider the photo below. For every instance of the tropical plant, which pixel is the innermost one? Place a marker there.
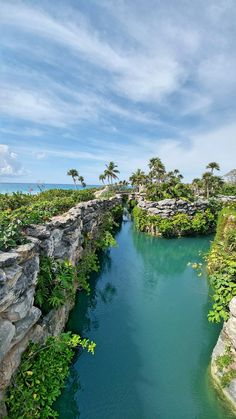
(213, 166)
(41, 376)
(74, 174)
(138, 179)
(111, 172)
(102, 177)
(55, 285)
(157, 170)
(207, 178)
(76, 177)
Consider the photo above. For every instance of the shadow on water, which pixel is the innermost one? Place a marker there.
(147, 313)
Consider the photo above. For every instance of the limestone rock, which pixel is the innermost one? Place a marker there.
(7, 332)
(230, 329)
(21, 307)
(23, 326)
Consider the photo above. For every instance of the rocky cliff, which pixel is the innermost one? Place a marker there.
(20, 321)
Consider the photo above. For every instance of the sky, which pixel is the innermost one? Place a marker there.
(85, 82)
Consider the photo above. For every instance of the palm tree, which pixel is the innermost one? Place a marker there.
(213, 166)
(138, 178)
(81, 180)
(197, 185)
(74, 174)
(157, 169)
(207, 178)
(102, 177)
(111, 171)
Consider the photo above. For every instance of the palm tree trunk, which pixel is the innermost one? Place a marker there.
(75, 183)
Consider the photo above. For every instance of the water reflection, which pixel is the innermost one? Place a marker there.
(169, 256)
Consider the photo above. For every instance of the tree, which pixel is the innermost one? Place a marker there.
(213, 166)
(102, 177)
(207, 180)
(111, 172)
(138, 178)
(157, 170)
(74, 174)
(197, 185)
(81, 180)
(76, 177)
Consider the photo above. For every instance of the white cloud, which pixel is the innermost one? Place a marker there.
(9, 163)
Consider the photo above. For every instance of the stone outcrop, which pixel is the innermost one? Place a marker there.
(20, 321)
(226, 340)
(169, 207)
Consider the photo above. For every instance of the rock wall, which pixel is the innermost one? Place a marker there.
(227, 339)
(20, 320)
(169, 207)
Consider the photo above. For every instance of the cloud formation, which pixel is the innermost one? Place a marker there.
(9, 163)
(87, 80)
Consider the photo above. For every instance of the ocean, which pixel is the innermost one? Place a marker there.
(34, 188)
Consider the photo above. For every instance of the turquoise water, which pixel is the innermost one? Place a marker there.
(148, 315)
(33, 187)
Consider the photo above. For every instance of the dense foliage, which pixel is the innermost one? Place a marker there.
(56, 283)
(177, 225)
(41, 376)
(222, 264)
(19, 210)
(158, 183)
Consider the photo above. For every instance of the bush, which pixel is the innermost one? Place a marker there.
(55, 285)
(178, 225)
(221, 265)
(19, 210)
(41, 376)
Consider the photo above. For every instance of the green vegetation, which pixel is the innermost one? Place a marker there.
(110, 173)
(44, 368)
(56, 283)
(224, 363)
(20, 210)
(88, 264)
(221, 263)
(177, 225)
(160, 184)
(41, 376)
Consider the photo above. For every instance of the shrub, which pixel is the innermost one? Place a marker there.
(88, 264)
(41, 376)
(221, 265)
(178, 225)
(19, 210)
(55, 285)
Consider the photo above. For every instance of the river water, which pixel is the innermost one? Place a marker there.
(147, 312)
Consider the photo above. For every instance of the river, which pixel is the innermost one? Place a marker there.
(147, 312)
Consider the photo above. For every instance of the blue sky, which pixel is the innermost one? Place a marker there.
(85, 82)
